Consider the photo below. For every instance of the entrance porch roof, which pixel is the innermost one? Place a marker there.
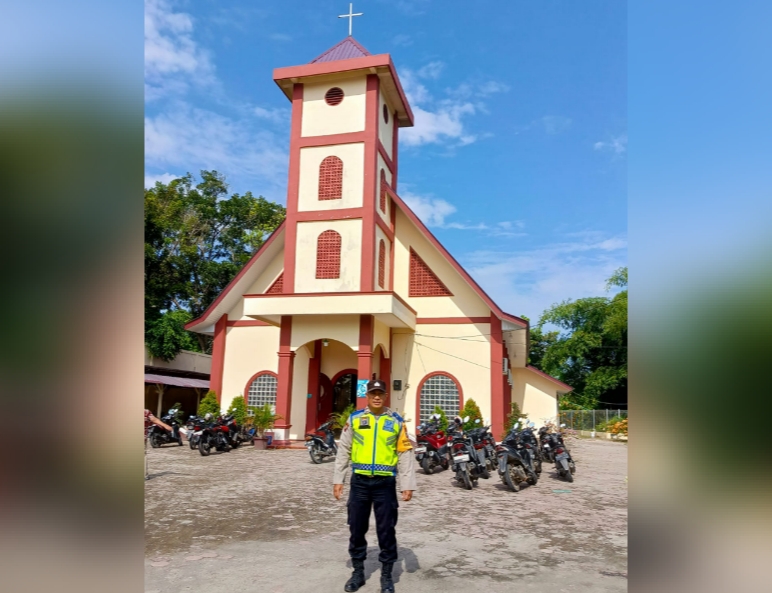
(385, 306)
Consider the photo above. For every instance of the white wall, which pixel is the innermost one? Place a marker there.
(385, 130)
(386, 216)
(320, 119)
(351, 256)
(353, 157)
(247, 351)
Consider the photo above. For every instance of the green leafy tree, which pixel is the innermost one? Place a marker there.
(590, 352)
(209, 404)
(472, 410)
(238, 408)
(197, 238)
(443, 424)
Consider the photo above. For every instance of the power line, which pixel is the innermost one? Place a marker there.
(451, 355)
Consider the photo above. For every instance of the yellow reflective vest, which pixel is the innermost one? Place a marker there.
(376, 441)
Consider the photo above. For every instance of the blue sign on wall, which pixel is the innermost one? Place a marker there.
(362, 388)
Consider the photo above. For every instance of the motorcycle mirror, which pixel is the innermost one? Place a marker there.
(563, 425)
(466, 418)
(477, 421)
(515, 425)
(531, 424)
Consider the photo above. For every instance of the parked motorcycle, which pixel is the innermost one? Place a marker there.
(214, 434)
(234, 434)
(546, 447)
(477, 439)
(459, 453)
(432, 445)
(532, 445)
(158, 436)
(564, 464)
(515, 465)
(195, 426)
(320, 447)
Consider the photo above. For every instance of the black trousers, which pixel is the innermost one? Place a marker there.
(379, 492)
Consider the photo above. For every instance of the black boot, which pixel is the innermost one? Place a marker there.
(387, 585)
(357, 577)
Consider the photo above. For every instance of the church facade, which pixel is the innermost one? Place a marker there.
(353, 285)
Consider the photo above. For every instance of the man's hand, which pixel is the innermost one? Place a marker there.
(337, 491)
(407, 495)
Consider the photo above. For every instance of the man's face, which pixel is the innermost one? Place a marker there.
(375, 399)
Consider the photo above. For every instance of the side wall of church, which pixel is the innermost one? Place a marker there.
(321, 119)
(263, 283)
(248, 350)
(535, 395)
(385, 129)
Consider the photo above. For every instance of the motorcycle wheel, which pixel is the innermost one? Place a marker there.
(510, 481)
(572, 467)
(315, 454)
(467, 480)
(179, 440)
(204, 447)
(569, 477)
(193, 442)
(532, 478)
(236, 444)
(427, 466)
(485, 474)
(155, 440)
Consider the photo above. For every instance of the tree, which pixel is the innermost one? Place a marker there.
(590, 353)
(472, 410)
(197, 238)
(238, 408)
(443, 423)
(515, 415)
(209, 405)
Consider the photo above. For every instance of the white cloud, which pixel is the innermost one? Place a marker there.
(432, 70)
(554, 124)
(150, 180)
(528, 282)
(617, 145)
(431, 211)
(432, 126)
(173, 60)
(190, 139)
(275, 115)
(403, 40)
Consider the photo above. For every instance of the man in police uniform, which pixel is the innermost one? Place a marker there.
(374, 442)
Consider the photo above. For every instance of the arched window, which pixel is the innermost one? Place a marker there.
(328, 255)
(439, 389)
(261, 390)
(331, 179)
(381, 263)
(383, 191)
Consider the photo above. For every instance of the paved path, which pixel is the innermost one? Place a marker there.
(265, 521)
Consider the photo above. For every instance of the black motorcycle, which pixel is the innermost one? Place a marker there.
(515, 463)
(321, 447)
(483, 466)
(195, 427)
(546, 446)
(564, 464)
(532, 446)
(213, 435)
(160, 436)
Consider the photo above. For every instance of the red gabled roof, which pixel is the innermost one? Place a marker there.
(451, 260)
(551, 378)
(345, 50)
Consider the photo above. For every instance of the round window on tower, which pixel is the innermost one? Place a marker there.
(385, 113)
(334, 96)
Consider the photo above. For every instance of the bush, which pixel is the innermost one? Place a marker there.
(443, 424)
(238, 408)
(620, 427)
(263, 418)
(339, 419)
(209, 405)
(606, 426)
(472, 410)
(515, 415)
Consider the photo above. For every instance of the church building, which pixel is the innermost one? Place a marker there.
(353, 285)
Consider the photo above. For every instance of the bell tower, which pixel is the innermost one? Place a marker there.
(347, 108)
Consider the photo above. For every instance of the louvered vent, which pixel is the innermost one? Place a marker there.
(334, 96)
(424, 282)
(331, 179)
(381, 264)
(328, 255)
(278, 285)
(383, 191)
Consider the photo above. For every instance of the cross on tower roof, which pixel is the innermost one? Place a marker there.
(350, 16)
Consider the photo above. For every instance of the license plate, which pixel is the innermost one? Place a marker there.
(460, 458)
(546, 446)
(560, 456)
(420, 449)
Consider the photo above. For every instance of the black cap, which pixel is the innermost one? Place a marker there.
(376, 385)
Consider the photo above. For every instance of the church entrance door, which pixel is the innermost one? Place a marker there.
(344, 390)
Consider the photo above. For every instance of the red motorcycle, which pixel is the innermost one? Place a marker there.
(432, 449)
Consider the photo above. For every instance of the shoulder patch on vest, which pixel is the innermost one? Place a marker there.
(388, 426)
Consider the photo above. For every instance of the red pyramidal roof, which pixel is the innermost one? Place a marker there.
(345, 50)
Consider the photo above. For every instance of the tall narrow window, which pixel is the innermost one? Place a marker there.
(438, 389)
(383, 191)
(381, 263)
(328, 255)
(331, 179)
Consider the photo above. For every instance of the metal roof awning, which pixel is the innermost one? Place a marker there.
(176, 381)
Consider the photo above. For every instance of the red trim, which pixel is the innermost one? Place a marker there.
(365, 353)
(385, 228)
(370, 189)
(325, 294)
(248, 323)
(394, 152)
(452, 320)
(546, 376)
(393, 215)
(334, 214)
(497, 372)
(314, 368)
(238, 277)
(386, 157)
(286, 369)
(293, 184)
(421, 385)
(349, 65)
(464, 274)
(331, 139)
(255, 376)
(385, 374)
(218, 356)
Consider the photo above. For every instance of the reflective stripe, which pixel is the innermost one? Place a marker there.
(374, 467)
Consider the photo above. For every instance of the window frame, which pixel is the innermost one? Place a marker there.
(254, 378)
(421, 386)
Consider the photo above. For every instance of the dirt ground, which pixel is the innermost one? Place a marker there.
(266, 521)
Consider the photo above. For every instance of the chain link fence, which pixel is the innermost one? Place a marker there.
(597, 420)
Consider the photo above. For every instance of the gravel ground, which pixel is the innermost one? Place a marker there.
(266, 521)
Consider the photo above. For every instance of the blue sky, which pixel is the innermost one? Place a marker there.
(518, 158)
